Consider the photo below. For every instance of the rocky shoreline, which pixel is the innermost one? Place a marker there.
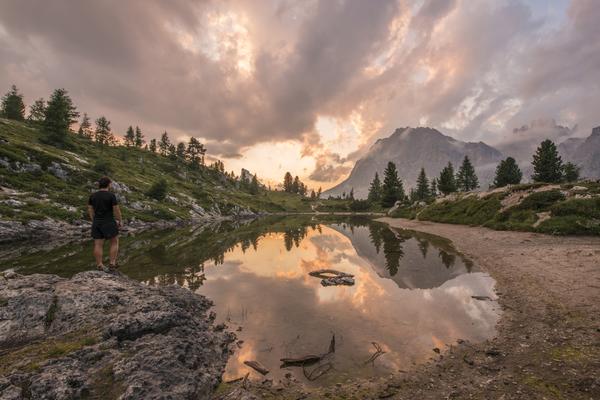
(98, 335)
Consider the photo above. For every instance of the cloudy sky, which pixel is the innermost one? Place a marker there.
(307, 86)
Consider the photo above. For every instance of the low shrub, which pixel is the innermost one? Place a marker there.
(158, 190)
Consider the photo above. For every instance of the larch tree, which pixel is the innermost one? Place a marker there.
(59, 116)
(12, 106)
(392, 189)
(130, 137)
(37, 111)
(288, 181)
(374, 195)
(180, 151)
(422, 191)
(195, 152)
(570, 172)
(466, 179)
(85, 127)
(433, 190)
(507, 173)
(446, 183)
(152, 146)
(139, 137)
(164, 144)
(547, 164)
(103, 133)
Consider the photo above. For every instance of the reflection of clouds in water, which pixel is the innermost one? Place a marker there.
(291, 312)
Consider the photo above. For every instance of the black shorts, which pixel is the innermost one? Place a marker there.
(104, 229)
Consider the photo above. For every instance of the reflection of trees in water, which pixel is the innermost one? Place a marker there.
(423, 246)
(392, 246)
(448, 259)
(293, 236)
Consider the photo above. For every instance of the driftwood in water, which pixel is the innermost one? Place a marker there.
(300, 361)
(309, 359)
(328, 273)
(481, 298)
(331, 277)
(378, 352)
(258, 367)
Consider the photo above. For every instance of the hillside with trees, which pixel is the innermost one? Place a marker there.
(51, 157)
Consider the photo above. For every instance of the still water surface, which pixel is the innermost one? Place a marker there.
(412, 292)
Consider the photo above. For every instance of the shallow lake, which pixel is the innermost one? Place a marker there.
(412, 291)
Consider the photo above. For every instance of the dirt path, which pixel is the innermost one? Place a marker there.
(548, 341)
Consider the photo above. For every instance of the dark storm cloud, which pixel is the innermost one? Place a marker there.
(122, 59)
(474, 69)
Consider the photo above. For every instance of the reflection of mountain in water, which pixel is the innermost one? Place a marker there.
(411, 260)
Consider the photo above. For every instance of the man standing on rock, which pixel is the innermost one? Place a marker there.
(102, 209)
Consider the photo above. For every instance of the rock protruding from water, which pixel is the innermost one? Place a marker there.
(98, 335)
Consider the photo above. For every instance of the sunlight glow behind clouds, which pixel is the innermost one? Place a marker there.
(308, 86)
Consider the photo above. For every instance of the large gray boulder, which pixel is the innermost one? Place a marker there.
(98, 335)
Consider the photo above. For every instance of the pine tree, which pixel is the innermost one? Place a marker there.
(60, 115)
(172, 152)
(254, 186)
(12, 106)
(139, 137)
(103, 132)
(181, 151)
(129, 137)
(547, 164)
(195, 152)
(164, 144)
(37, 111)
(152, 146)
(446, 183)
(85, 127)
(374, 195)
(571, 172)
(434, 188)
(466, 179)
(422, 192)
(313, 195)
(507, 173)
(319, 193)
(296, 185)
(288, 182)
(392, 189)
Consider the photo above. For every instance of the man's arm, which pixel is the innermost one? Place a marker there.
(91, 212)
(117, 213)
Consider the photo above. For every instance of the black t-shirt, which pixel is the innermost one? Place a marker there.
(103, 201)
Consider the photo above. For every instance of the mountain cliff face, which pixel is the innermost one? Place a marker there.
(584, 152)
(413, 148)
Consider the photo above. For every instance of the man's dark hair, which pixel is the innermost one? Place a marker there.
(104, 182)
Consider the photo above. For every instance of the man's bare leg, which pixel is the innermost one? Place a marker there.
(98, 249)
(114, 250)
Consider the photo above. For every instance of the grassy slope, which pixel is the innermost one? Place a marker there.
(45, 195)
(568, 215)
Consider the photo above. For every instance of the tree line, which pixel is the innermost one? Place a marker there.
(56, 116)
(547, 165)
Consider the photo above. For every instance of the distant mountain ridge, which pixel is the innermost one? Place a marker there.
(413, 148)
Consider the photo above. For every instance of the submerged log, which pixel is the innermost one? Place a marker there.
(338, 281)
(309, 359)
(332, 277)
(482, 298)
(300, 361)
(329, 273)
(258, 367)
